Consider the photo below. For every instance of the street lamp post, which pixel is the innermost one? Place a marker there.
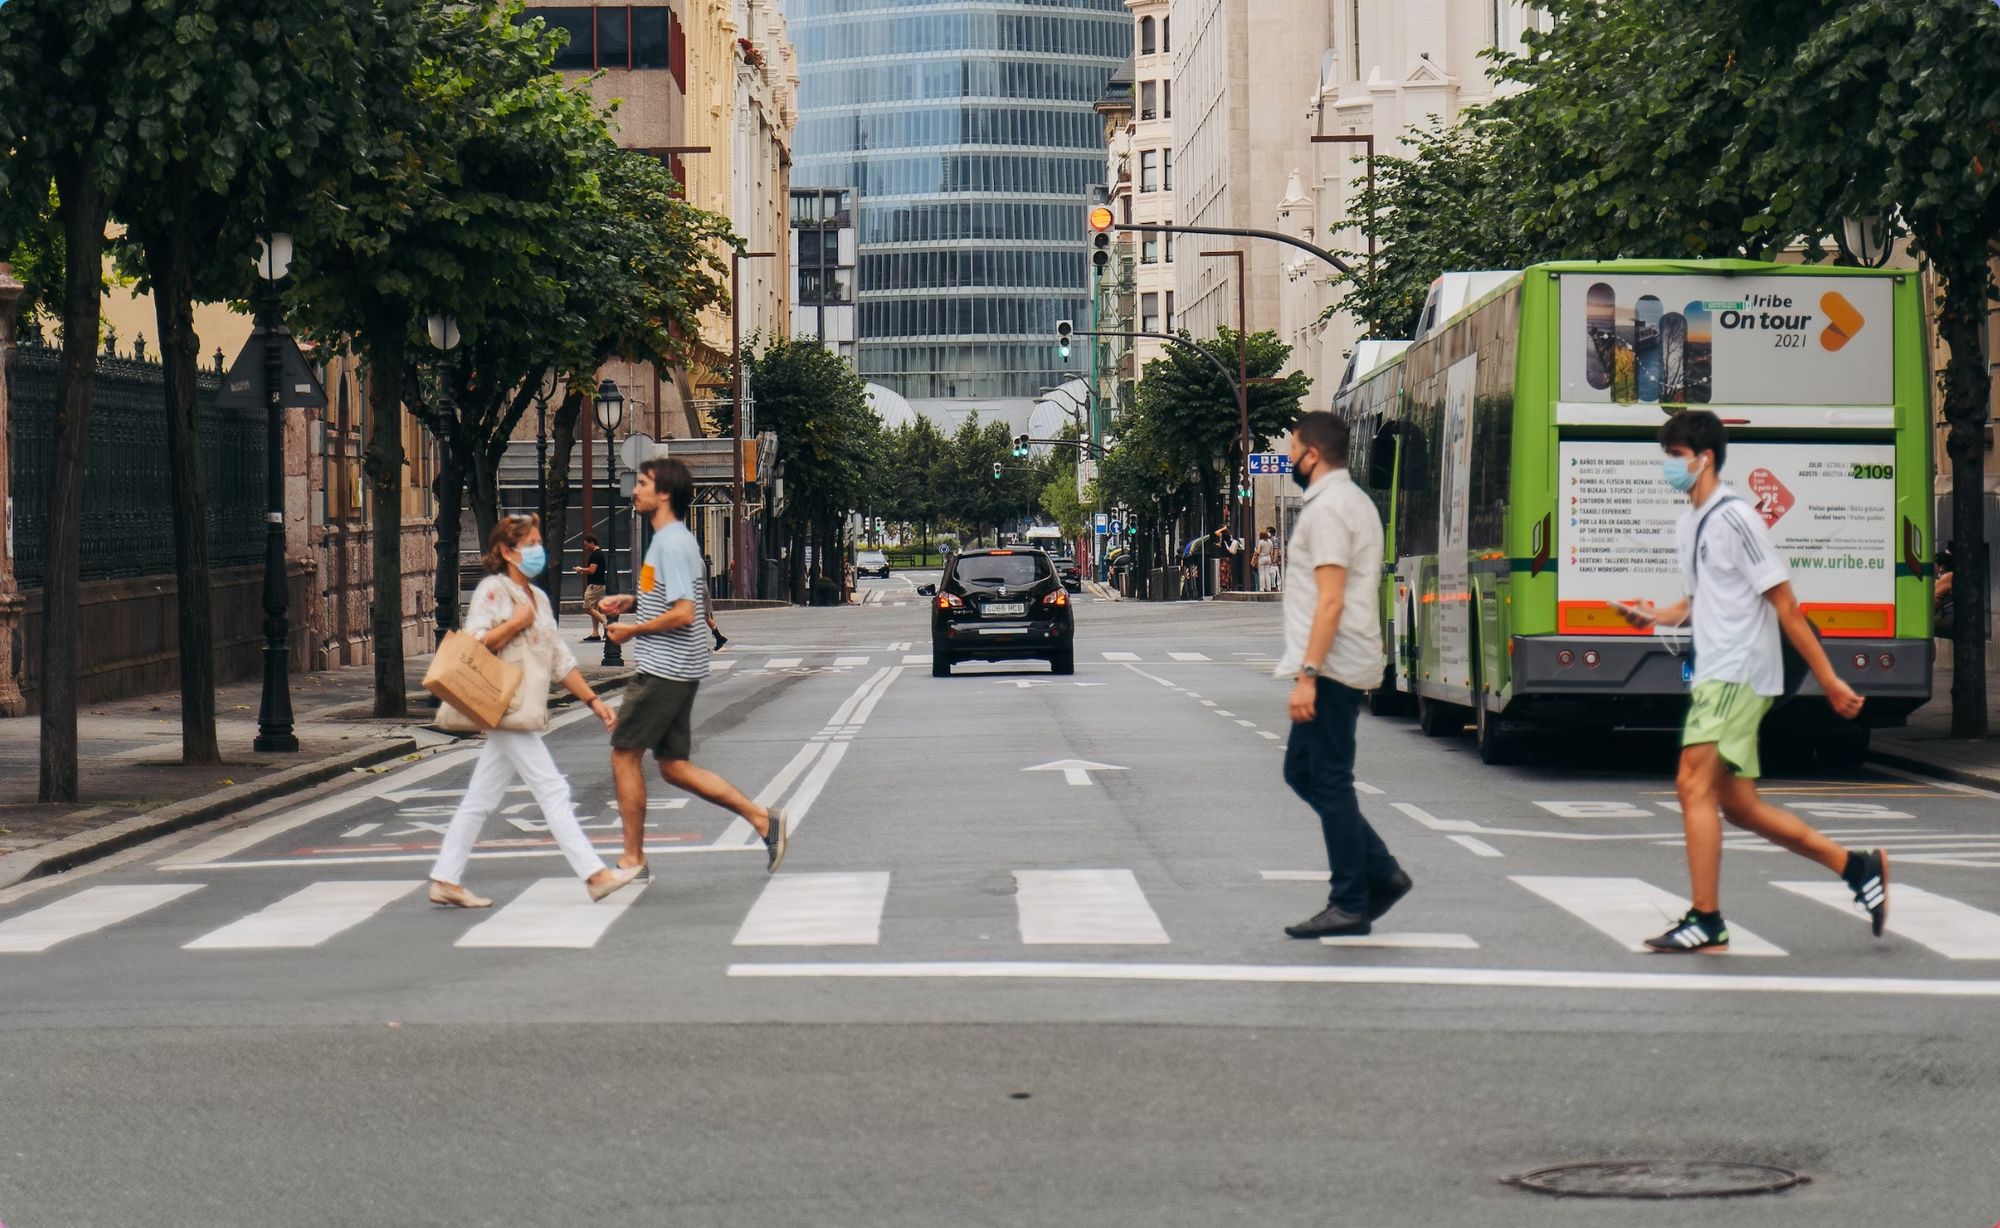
(274, 712)
(610, 409)
(551, 581)
(442, 328)
(1245, 509)
(737, 524)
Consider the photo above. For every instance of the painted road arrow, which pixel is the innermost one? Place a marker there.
(1075, 771)
(1024, 683)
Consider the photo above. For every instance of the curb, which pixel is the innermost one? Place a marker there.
(73, 851)
(1234, 595)
(722, 605)
(1103, 592)
(1911, 763)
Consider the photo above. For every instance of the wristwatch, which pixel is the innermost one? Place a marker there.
(1308, 671)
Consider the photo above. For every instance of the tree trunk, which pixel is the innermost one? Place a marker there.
(795, 565)
(450, 490)
(562, 446)
(1967, 385)
(167, 260)
(486, 492)
(84, 209)
(383, 463)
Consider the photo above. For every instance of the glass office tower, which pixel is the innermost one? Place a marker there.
(966, 130)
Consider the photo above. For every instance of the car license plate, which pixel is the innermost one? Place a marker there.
(1004, 609)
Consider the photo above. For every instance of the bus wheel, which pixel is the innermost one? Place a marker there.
(1496, 746)
(1439, 720)
(1386, 700)
(1843, 750)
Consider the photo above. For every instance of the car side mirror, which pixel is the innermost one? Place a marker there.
(926, 590)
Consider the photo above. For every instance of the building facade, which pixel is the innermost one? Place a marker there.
(965, 131)
(822, 266)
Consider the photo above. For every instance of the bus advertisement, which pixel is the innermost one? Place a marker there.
(1512, 452)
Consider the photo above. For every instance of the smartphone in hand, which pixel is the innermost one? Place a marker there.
(1639, 616)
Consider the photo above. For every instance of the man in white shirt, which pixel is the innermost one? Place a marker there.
(1333, 650)
(1740, 595)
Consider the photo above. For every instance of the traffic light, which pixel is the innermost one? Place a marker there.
(996, 471)
(1020, 445)
(1063, 330)
(1131, 528)
(1100, 236)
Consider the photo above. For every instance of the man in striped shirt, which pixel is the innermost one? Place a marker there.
(670, 647)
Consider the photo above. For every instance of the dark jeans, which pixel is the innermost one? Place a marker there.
(1319, 766)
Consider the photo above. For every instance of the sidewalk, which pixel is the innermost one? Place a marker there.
(133, 786)
(1926, 744)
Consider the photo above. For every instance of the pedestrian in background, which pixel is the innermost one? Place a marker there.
(1267, 560)
(508, 610)
(592, 572)
(1740, 596)
(1333, 651)
(670, 646)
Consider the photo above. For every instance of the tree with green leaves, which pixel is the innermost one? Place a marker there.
(1191, 407)
(912, 456)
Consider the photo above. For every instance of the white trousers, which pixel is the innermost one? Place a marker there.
(1267, 577)
(509, 753)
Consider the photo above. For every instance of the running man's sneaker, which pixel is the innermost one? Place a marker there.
(1867, 875)
(777, 840)
(1692, 934)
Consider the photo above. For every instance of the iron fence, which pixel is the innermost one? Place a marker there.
(128, 502)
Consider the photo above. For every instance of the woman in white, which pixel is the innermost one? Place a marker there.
(506, 607)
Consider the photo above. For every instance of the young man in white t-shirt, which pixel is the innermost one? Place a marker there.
(1740, 596)
(1333, 653)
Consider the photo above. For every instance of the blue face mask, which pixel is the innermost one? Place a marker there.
(1678, 474)
(533, 560)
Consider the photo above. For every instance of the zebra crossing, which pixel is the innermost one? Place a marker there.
(743, 662)
(1095, 907)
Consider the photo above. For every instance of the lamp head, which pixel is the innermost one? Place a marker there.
(443, 329)
(610, 405)
(274, 256)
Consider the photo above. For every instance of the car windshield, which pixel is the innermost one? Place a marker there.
(872, 558)
(1000, 570)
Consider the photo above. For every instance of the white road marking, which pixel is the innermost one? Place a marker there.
(608, 846)
(1265, 733)
(782, 662)
(1436, 942)
(1247, 724)
(718, 664)
(1478, 846)
(850, 660)
(1189, 656)
(867, 707)
(1209, 703)
(1084, 907)
(1075, 771)
(1221, 712)
(1362, 786)
(1952, 929)
(356, 832)
(917, 659)
(1320, 974)
(1630, 910)
(1432, 821)
(306, 917)
(86, 912)
(552, 912)
(1595, 810)
(1294, 876)
(1121, 656)
(817, 910)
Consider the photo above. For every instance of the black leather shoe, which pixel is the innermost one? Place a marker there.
(1383, 893)
(1331, 923)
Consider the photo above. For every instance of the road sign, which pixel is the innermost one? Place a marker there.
(1263, 463)
(634, 449)
(1102, 523)
(1117, 527)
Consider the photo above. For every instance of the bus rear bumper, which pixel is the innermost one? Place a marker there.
(1893, 675)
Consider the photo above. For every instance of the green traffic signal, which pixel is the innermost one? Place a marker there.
(996, 471)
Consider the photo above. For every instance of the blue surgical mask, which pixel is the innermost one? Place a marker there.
(1678, 474)
(533, 560)
(1302, 477)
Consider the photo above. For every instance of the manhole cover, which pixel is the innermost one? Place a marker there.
(1668, 1179)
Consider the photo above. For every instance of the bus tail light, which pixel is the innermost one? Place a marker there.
(1565, 658)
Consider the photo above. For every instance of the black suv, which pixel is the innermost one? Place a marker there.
(999, 605)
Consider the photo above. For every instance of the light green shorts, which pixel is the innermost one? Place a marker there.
(1727, 715)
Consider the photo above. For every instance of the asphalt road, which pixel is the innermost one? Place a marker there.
(1023, 965)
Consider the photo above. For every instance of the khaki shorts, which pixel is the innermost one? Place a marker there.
(1727, 715)
(657, 715)
(592, 595)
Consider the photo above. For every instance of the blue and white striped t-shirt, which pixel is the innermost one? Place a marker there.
(673, 572)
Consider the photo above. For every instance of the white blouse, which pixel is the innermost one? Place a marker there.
(495, 601)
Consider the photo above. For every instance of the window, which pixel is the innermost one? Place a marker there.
(1149, 249)
(1170, 242)
(1354, 40)
(1167, 173)
(1166, 99)
(651, 44)
(1149, 99)
(1166, 34)
(1146, 36)
(1149, 313)
(579, 54)
(614, 38)
(1170, 311)
(1149, 171)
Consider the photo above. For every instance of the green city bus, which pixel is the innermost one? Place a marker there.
(1512, 451)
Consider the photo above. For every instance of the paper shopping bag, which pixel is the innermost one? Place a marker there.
(469, 678)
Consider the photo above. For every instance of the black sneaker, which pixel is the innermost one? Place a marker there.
(1330, 923)
(1383, 893)
(777, 841)
(1692, 934)
(593, 639)
(1867, 875)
